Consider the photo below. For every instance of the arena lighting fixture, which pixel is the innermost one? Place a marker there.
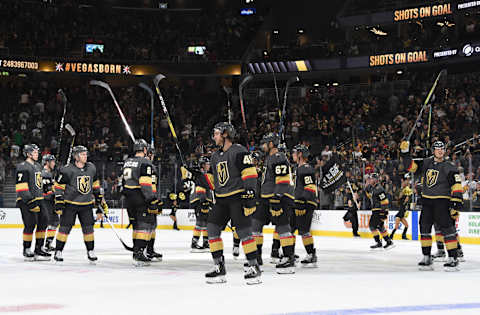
(399, 71)
(265, 53)
(335, 84)
(276, 32)
(301, 31)
(316, 84)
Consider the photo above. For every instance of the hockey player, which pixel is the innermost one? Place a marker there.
(151, 254)
(48, 162)
(262, 216)
(380, 204)
(77, 190)
(305, 201)
(29, 188)
(201, 201)
(402, 215)
(234, 184)
(142, 202)
(277, 188)
(441, 201)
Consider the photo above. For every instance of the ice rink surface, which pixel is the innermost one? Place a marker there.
(349, 280)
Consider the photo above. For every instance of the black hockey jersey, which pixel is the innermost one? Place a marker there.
(305, 185)
(440, 179)
(77, 186)
(378, 197)
(29, 184)
(277, 178)
(233, 172)
(138, 173)
(48, 181)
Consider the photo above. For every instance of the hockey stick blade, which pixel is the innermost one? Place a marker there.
(146, 88)
(245, 80)
(122, 116)
(292, 80)
(70, 129)
(101, 84)
(159, 77)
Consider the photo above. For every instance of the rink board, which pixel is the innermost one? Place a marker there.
(325, 222)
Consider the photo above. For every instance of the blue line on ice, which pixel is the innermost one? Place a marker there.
(389, 310)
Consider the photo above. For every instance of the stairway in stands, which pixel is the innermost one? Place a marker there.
(9, 194)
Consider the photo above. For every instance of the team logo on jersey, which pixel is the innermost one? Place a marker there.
(38, 180)
(83, 184)
(223, 175)
(431, 176)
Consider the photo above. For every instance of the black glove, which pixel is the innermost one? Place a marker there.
(249, 202)
(300, 207)
(152, 207)
(383, 214)
(455, 208)
(34, 206)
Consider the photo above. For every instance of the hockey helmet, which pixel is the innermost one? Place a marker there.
(47, 158)
(78, 149)
(29, 148)
(270, 137)
(203, 160)
(302, 148)
(139, 145)
(225, 127)
(438, 145)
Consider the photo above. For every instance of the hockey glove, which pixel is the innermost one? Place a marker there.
(59, 207)
(300, 207)
(152, 207)
(383, 214)
(405, 146)
(249, 204)
(275, 206)
(34, 206)
(455, 208)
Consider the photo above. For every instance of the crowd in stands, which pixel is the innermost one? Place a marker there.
(42, 29)
(362, 127)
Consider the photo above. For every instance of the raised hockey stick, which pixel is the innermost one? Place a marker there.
(425, 104)
(152, 103)
(229, 109)
(73, 134)
(244, 82)
(107, 87)
(156, 81)
(282, 117)
(62, 121)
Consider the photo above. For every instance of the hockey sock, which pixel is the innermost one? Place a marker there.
(426, 242)
(216, 248)
(287, 242)
(377, 238)
(308, 243)
(236, 240)
(276, 242)
(440, 240)
(196, 233)
(405, 229)
(39, 239)
(250, 249)
(393, 233)
(27, 240)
